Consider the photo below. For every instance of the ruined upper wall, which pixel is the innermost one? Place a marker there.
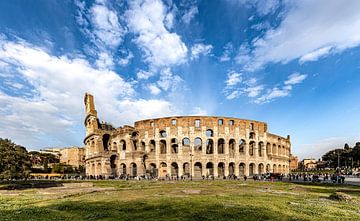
(207, 121)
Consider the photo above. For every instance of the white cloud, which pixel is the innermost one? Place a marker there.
(146, 19)
(228, 48)
(104, 60)
(168, 80)
(295, 78)
(154, 89)
(262, 7)
(200, 49)
(315, 55)
(190, 14)
(53, 113)
(233, 95)
(309, 30)
(106, 25)
(254, 91)
(233, 78)
(125, 61)
(284, 91)
(143, 75)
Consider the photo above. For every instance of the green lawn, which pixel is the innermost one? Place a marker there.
(197, 200)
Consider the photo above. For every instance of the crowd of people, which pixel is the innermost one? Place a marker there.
(316, 178)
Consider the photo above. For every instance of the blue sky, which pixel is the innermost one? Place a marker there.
(292, 64)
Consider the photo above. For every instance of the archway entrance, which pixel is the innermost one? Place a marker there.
(197, 169)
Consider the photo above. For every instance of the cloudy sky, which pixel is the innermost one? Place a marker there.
(292, 64)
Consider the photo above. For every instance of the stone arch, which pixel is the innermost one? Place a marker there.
(174, 169)
(274, 152)
(114, 147)
(279, 168)
(242, 169)
(123, 145)
(186, 145)
(268, 169)
(252, 135)
(252, 148)
(221, 169)
(209, 133)
(221, 146)
(232, 144)
(162, 134)
(106, 139)
(133, 169)
(275, 170)
(113, 165)
(261, 149)
(153, 170)
(198, 144)
(268, 149)
(284, 169)
(209, 169)
(251, 169)
(143, 145)
(162, 169)
(261, 168)
(209, 146)
(152, 146)
(123, 169)
(242, 147)
(186, 169)
(174, 146)
(279, 150)
(197, 169)
(162, 146)
(134, 140)
(231, 169)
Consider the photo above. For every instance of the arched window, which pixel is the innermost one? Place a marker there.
(186, 145)
(123, 145)
(174, 145)
(220, 122)
(221, 146)
(252, 135)
(232, 144)
(162, 147)
(242, 146)
(162, 133)
(209, 133)
(231, 122)
(260, 149)
(251, 126)
(251, 148)
(105, 139)
(209, 146)
(152, 146)
(268, 148)
(198, 144)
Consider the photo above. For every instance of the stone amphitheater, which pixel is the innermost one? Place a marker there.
(190, 146)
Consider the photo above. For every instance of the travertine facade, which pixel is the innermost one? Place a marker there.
(183, 145)
(73, 156)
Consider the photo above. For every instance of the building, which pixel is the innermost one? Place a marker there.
(73, 156)
(182, 145)
(308, 164)
(294, 162)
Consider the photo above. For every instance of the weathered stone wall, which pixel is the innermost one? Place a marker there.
(73, 156)
(184, 145)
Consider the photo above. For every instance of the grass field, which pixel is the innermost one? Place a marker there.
(197, 200)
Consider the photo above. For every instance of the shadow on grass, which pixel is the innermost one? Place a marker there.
(17, 185)
(176, 209)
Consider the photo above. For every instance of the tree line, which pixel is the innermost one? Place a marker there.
(17, 163)
(343, 157)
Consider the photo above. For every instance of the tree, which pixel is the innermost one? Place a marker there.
(14, 161)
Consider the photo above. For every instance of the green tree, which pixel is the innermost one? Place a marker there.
(14, 161)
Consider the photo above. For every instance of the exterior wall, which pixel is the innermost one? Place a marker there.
(74, 156)
(293, 162)
(141, 149)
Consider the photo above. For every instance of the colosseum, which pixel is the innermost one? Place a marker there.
(182, 146)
